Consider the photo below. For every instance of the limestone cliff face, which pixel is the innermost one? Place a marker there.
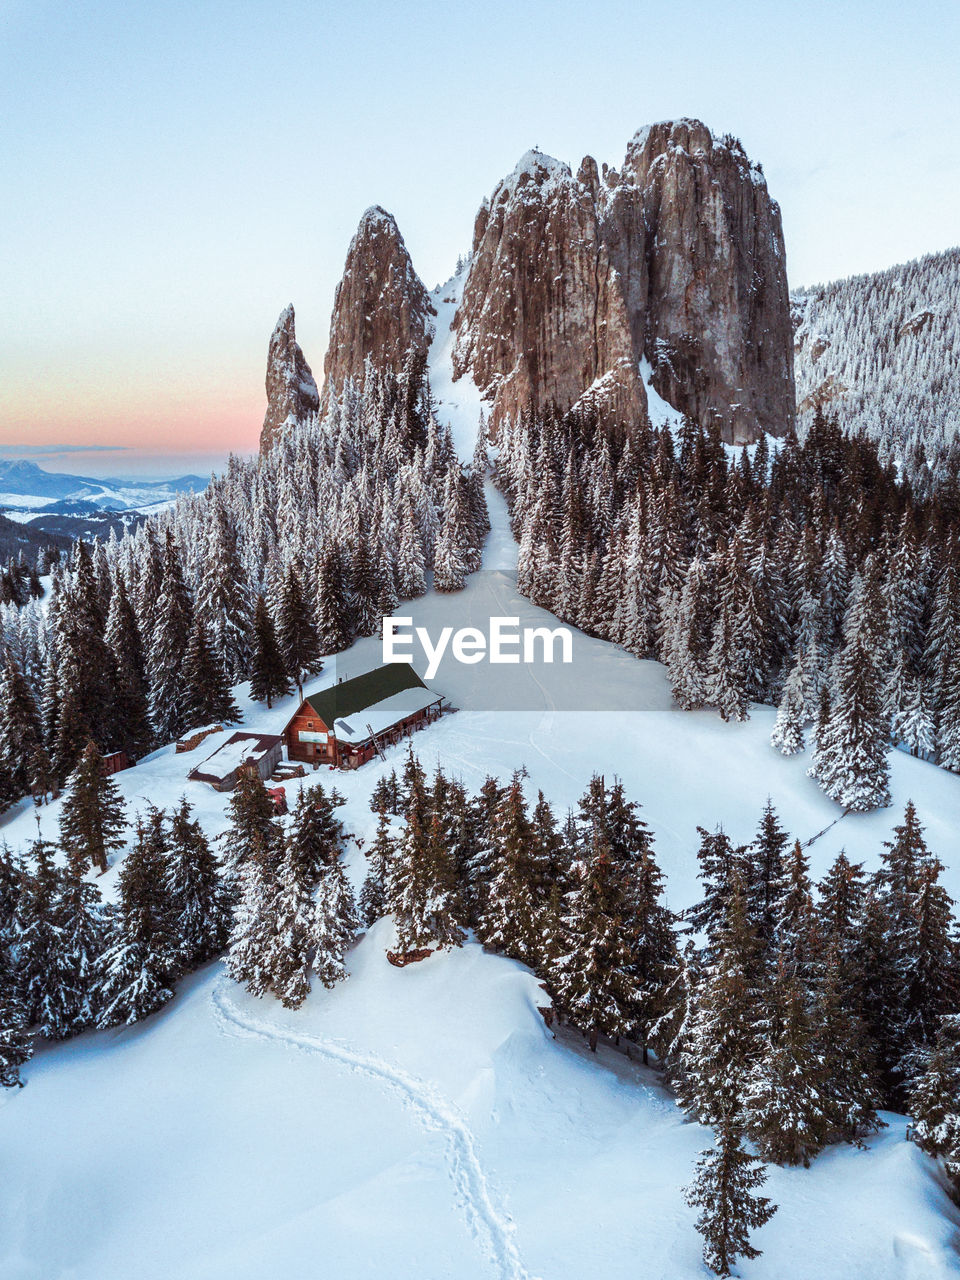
(381, 308)
(677, 260)
(542, 316)
(580, 286)
(699, 244)
(291, 390)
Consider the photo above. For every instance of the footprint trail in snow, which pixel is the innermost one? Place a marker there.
(492, 1229)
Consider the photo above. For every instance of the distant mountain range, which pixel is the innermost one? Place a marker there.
(80, 506)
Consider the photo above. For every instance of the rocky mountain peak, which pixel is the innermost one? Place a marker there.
(381, 307)
(676, 260)
(541, 319)
(291, 388)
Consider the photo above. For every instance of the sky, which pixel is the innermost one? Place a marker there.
(175, 174)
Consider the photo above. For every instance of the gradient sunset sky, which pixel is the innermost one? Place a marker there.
(175, 174)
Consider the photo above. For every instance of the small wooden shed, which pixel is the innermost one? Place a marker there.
(242, 750)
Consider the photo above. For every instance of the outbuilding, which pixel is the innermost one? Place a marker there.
(345, 724)
(242, 750)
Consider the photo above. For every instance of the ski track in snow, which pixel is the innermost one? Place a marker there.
(492, 1229)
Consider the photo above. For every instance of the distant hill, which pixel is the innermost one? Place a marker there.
(22, 479)
(16, 538)
(884, 349)
(49, 502)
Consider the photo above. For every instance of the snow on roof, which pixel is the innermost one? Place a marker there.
(230, 756)
(381, 716)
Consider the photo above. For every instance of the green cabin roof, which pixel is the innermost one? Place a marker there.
(338, 701)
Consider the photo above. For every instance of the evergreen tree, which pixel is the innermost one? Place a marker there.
(423, 887)
(268, 674)
(728, 1028)
(199, 899)
(720, 864)
(292, 941)
(16, 1047)
(134, 732)
(849, 1073)
(168, 648)
(298, 633)
(38, 940)
(935, 1102)
(249, 950)
(787, 1105)
(206, 695)
(334, 624)
(726, 1179)
(595, 981)
(254, 835)
(763, 864)
(510, 920)
(137, 967)
(374, 893)
(92, 819)
(21, 733)
(316, 833)
(81, 939)
(335, 924)
(851, 760)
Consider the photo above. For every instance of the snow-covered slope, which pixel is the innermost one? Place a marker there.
(882, 350)
(410, 1123)
(422, 1122)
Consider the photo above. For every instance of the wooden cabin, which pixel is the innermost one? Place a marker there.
(344, 724)
(243, 750)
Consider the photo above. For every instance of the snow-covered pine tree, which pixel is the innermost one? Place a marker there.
(374, 895)
(254, 924)
(851, 758)
(411, 581)
(206, 695)
(21, 733)
(37, 935)
(423, 888)
(763, 864)
(595, 981)
(137, 966)
(134, 732)
(727, 679)
(168, 645)
(254, 835)
(849, 1072)
(935, 1102)
(334, 623)
(685, 647)
(510, 920)
(223, 603)
(787, 1104)
(293, 935)
(316, 834)
(728, 1029)
(335, 924)
(787, 735)
(16, 1045)
(81, 939)
(720, 864)
(92, 819)
(297, 629)
(727, 1177)
(200, 900)
(268, 672)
